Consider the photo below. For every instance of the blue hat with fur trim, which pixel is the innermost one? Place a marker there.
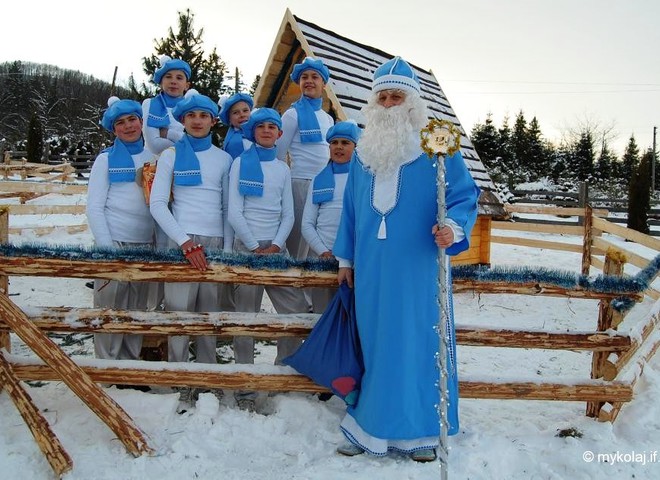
(259, 116)
(348, 130)
(167, 64)
(118, 108)
(228, 102)
(395, 73)
(194, 101)
(310, 63)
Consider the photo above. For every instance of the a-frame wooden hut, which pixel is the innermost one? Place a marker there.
(351, 66)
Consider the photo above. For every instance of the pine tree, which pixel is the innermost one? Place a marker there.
(485, 139)
(35, 140)
(255, 84)
(583, 159)
(639, 195)
(186, 44)
(630, 160)
(538, 151)
(520, 145)
(606, 165)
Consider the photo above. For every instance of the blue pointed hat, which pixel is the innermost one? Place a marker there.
(347, 129)
(118, 108)
(310, 63)
(395, 73)
(259, 116)
(167, 64)
(227, 103)
(194, 101)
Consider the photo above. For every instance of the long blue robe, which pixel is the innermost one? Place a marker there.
(396, 292)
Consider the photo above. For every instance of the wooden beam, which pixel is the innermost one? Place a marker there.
(268, 325)
(47, 209)
(42, 187)
(48, 443)
(183, 272)
(5, 340)
(627, 233)
(39, 231)
(109, 411)
(557, 211)
(632, 257)
(530, 242)
(227, 376)
(538, 228)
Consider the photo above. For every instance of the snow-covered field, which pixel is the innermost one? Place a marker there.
(294, 435)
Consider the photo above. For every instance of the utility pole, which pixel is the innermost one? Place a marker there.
(655, 131)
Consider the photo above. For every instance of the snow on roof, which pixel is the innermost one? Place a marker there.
(351, 66)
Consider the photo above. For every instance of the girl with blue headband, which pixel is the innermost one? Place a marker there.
(118, 217)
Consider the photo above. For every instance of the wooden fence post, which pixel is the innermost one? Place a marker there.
(608, 318)
(586, 240)
(583, 199)
(5, 341)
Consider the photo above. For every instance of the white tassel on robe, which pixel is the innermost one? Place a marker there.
(382, 230)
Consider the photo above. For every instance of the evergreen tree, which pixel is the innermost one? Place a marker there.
(639, 195)
(606, 165)
(485, 139)
(35, 140)
(255, 84)
(207, 71)
(538, 151)
(505, 148)
(583, 159)
(630, 160)
(520, 146)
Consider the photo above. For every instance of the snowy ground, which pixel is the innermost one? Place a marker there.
(293, 436)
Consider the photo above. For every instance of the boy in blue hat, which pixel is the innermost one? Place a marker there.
(196, 173)
(234, 112)
(119, 217)
(161, 129)
(323, 207)
(304, 127)
(261, 213)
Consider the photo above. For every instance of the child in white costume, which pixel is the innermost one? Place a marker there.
(161, 129)
(119, 217)
(196, 173)
(324, 203)
(304, 127)
(234, 112)
(261, 213)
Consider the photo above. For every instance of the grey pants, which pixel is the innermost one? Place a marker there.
(248, 299)
(296, 245)
(120, 296)
(196, 297)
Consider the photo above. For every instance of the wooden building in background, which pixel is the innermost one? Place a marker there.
(351, 66)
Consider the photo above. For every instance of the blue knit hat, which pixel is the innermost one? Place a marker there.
(167, 64)
(348, 130)
(118, 108)
(395, 73)
(259, 116)
(310, 63)
(227, 102)
(194, 101)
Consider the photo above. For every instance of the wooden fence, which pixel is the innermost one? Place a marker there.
(616, 208)
(618, 357)
(80, 162)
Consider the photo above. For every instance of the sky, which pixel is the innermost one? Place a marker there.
(568, 62)
(294, 435)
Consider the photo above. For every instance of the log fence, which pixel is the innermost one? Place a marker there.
(618, 358)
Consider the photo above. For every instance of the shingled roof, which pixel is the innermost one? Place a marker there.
(351, 66)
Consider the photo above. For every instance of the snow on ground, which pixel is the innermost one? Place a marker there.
(294, 435)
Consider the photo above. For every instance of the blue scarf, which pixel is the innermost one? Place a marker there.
(121, 167)
(158, 106)
(323, 188)
(186, 164)
(308, 124)
(251, 176)
(233, 144)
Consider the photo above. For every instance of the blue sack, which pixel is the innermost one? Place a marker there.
(331, 355)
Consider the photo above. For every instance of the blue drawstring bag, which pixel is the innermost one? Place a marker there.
(331, 355)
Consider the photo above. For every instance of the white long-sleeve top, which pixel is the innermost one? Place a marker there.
(269, 217)
(152, 139)
(307, 159)
(196, 209)
(117, 211)
(321, 221)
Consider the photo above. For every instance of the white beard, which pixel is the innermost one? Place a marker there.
(391, 135)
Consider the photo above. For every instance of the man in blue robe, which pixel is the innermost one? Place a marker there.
(387, 247)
